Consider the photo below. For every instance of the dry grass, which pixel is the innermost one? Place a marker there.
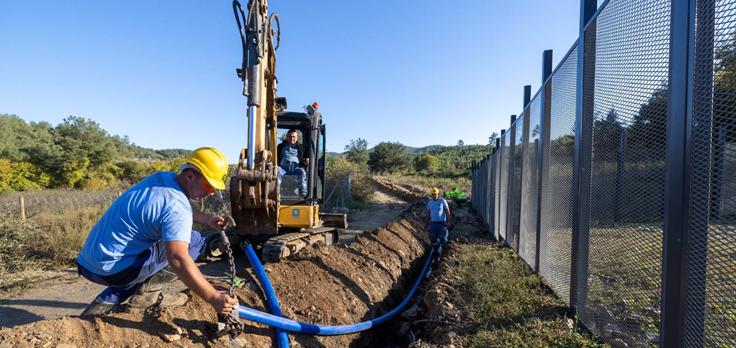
(48, 240)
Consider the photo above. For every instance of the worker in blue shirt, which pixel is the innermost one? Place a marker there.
(438, 218)
(145, 241)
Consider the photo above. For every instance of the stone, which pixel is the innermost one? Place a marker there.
(64, 345)
(169, 337)
(569, 323)
(404, 329)
(618, 343)
(411, 313)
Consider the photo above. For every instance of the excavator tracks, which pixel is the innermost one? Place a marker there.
(290, 243)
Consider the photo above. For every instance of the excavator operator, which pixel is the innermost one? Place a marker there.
(292, 157)
(144, 241)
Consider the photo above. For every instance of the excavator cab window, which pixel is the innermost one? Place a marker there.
(322, 158)
(293, 176)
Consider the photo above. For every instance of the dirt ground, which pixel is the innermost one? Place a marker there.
(329, 285)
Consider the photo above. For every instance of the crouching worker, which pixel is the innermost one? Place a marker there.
(456, 195)
(144, 241)
(438, 217)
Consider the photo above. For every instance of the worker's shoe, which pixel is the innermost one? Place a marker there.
(149, 292)
(98, 307)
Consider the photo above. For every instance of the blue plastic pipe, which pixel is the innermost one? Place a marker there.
(273, 303)
(328, 330)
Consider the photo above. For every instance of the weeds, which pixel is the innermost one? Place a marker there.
(48, 240)
(509, 306)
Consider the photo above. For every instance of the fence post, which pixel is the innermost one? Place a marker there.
(544, 138)
(22, 209)
(583, 151)
(678, 181)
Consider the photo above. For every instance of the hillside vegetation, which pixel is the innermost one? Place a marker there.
(76, 153)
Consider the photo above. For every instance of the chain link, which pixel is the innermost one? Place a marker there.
(232, 322)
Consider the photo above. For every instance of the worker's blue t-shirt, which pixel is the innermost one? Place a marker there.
(291, 154)
(437, 209)
(155, 209)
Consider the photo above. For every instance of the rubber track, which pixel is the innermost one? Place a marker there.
(272, 249)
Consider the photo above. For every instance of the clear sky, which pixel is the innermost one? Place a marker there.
(163, 72)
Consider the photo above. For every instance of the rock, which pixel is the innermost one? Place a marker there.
(169, 337)
(411, 313)
(533, 319)
(404, 329)
(618, 343)
(64, 345)
(452, 264)
(652, 337)
(569, 323)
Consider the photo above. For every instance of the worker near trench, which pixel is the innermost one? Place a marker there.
(456, 195)
(438, 218)
(144, 241)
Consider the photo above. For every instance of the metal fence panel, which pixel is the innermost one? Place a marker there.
(711, 292)
(497, 199)
(516, 151)
(627, 188)
(504, 183)
(557, 180)
(530, 183)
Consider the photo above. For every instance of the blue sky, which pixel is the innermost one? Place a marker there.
(163, 72)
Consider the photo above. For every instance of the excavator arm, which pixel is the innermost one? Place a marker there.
(254, 191)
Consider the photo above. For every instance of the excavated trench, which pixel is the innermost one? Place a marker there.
(327, 285)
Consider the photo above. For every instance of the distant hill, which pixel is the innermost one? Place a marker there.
(410, 149)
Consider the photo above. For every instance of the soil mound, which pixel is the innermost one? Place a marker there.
(328, 285)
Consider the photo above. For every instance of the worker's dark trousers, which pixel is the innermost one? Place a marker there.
(438, 232)
(122, 285)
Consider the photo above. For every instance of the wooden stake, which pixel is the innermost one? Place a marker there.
(22, 210)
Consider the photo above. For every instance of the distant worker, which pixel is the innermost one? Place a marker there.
(292, 158)
(438, 218)
(456, 195)
(144, 241)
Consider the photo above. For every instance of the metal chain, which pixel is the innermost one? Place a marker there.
(233, 325)
(230, 259)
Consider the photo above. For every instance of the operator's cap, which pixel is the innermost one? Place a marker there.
(435, 191)
(211, 163)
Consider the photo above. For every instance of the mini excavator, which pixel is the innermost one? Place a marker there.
(265, 211)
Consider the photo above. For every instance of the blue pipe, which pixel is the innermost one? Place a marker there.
(282, 336)
(328, 330)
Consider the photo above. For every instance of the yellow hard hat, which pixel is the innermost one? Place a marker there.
(435, 191)
(211, 163)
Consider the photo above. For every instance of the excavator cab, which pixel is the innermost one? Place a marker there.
(309, 125)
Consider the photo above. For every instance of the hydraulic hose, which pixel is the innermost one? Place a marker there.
(328, 330)
(273, 303)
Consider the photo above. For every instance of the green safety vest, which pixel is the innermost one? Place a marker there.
(455, 194)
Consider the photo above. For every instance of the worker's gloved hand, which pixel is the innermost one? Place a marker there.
(216, 222)
(224, 304)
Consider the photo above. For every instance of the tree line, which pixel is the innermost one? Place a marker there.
(442, 161)
(76, 153)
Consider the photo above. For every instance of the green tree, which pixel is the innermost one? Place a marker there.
(426, 162)
(492, 139)
(388, 156)
(357, 151)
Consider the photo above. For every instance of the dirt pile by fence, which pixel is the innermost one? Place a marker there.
(398, 190)
(329, 285)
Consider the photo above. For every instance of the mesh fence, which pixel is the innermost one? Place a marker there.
(602, 146)
(711, 301)
(530, 183)
(557, 175)
(33, 203)
(627, 183)
(516, 151)
(504, 191)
